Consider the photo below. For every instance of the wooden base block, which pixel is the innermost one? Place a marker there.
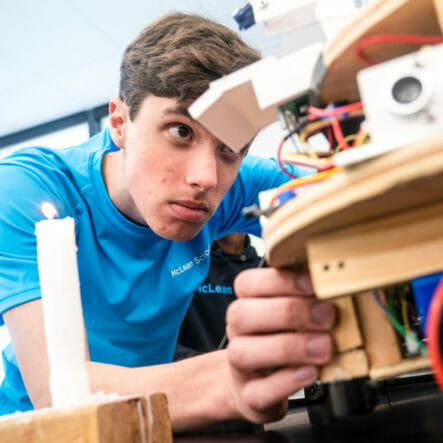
(345, 366)
(380, 340)
(129, 419)
(346, 333)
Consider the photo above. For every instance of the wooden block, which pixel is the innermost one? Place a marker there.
(130, 419)
(405, 366)
(345, 366)
(377, 253)
(346, 333)
(380, 340)
(382, 17)
(349, 362)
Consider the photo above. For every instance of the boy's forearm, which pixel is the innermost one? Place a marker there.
(198, 389)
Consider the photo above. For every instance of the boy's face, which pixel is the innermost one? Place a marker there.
(170, 173)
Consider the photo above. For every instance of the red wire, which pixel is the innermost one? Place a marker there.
(394, 38)
(331, 146)
(435, 319)
(338, 133)
(280, 163)
(318, 112)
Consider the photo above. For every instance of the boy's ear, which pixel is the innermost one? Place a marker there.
(118, 119)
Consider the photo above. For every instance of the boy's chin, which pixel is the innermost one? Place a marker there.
(182, 234)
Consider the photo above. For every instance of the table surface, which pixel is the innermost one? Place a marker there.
(410, 413)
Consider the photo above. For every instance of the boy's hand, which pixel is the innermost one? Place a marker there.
(278, 336)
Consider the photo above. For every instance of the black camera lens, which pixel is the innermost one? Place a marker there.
(407, 89)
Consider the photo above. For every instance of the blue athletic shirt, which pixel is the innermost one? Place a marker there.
(135, 285)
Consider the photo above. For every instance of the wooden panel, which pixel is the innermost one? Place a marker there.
(381, 17)
(380, 340)
(345, 366)
(346, 333)
(405, 366)
(135, 419)
(140, 419)
(404, 178)
(438, 6)
(347, 337)
(377, 253)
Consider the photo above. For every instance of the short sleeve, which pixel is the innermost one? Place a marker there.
(23, 189)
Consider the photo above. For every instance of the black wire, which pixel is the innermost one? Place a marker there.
(298, 127)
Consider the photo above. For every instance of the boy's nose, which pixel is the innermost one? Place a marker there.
(202, 173)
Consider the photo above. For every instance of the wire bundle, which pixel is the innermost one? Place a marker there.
(330, 119)
(403, 329)
(318, 120)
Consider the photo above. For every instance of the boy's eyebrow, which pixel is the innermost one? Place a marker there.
(183, 110)
(178, 110)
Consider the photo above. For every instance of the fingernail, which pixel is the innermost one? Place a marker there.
(319, 346)
(306, 373)
(304, 283)
(322, 313)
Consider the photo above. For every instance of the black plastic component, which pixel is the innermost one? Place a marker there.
(351, 397)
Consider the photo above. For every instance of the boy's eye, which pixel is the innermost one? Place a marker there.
(228, 152)
(180, 131)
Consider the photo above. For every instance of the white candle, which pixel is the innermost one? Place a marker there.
(62, 310)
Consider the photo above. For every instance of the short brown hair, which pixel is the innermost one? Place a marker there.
(177, 56)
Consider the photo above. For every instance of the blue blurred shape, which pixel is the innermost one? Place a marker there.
(286, 196)
(244, 17)
(423, 289)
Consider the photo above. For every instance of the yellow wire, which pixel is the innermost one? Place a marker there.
(306, 131)
(347, 139)
(322, 162)
(404, 312)
(312, 126)
(361, 140)
(318, 124)
(304, 180)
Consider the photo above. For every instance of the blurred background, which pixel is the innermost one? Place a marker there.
(60, 59)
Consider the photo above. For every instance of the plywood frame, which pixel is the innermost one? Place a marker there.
(377, 253)
(405, 178)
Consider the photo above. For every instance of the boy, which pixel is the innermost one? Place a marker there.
(149, 196)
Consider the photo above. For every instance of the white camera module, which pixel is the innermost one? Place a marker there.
(408, 93)
(402, 97)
